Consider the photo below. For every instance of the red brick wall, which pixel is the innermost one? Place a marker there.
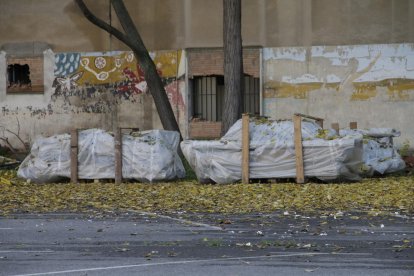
(204, 130)
(206, 62)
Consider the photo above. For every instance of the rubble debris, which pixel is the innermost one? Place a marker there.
(147, 156)
(379, 153)
(8, 163)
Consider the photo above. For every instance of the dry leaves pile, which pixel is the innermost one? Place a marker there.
(385, 194)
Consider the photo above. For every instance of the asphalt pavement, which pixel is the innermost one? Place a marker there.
(282, 243)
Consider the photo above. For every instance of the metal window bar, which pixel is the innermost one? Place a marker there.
(220, 101)
(208, 99)
(251, 95)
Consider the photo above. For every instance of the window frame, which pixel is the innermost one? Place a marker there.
(213, 85)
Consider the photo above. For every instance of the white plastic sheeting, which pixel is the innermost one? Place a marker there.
(146, 156)
(272, 153)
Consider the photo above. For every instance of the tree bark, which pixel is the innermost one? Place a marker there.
(133, 40)
(233, 64)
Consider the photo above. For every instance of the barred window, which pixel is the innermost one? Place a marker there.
(208, 97)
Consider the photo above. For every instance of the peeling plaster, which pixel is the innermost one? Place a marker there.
(390, 66)
(370, 84)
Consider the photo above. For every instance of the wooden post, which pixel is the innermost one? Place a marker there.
(297, 123)
(353, 125)
(335, 126)
(74, 156)
(118, 155)
(319, 122)
(245, 149)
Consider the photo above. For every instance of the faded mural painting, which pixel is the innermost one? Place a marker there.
(87, 75)
(92, 89)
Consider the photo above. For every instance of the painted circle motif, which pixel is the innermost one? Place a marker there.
(85, 62)
(100, 62)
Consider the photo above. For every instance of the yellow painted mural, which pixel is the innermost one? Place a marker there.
(297, 91)
(396, 90)
(100, 69)
(117, 69)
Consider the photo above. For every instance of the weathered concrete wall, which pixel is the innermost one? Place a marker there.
(91, 89)
(370, 84)
(181, 24)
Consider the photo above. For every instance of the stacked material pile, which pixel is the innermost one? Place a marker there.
(146, 156)
(272, 153)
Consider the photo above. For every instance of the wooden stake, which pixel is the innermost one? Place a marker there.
(74, 156)
(245, 149)
(319, 122)
(300, 174)
(118, 156)
(353, 125)
(335, 126)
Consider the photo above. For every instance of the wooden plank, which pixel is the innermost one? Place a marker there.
(300, 174)
(245, 149)
(335, 126)
(74, 156)
(118, 156)
(353, 125)
(309, 117)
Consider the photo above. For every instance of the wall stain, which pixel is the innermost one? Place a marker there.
(397, 90)
(400, 90)
(297, 91)
(363, 91)
(39, 113)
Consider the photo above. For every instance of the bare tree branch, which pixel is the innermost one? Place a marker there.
(129, 26)
(134, 41)
(17, 135)
(102, 24)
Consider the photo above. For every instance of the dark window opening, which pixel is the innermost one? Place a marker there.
(18, 76)
(208, 97)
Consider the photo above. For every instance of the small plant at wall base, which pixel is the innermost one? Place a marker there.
(5, 132)
(407, 156)
(405, 149)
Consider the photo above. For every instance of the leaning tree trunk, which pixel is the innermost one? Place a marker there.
(133, 40)
(233, 63)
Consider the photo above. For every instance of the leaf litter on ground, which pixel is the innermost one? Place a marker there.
(375, 194)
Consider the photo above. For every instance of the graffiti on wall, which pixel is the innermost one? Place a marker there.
(365, 70)
(90, 75)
